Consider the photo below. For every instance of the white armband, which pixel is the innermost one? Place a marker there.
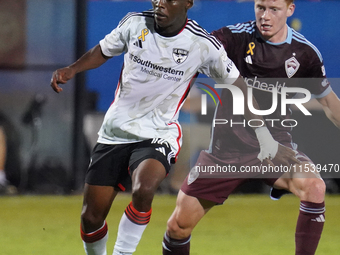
(268, 146)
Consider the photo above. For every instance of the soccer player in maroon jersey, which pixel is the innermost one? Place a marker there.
(269, 54)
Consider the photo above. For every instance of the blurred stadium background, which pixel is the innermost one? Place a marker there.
(57, 131)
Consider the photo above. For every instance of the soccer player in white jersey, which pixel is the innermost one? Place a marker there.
(140, 136)
(263, 49)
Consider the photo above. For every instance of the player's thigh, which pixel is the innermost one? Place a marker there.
(148, 175)
(149, 164)
(299, 177)
(188, 212)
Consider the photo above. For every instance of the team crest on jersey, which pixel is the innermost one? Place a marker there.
(325, 82)
(180, 55)
(291, 66)
(193, 175)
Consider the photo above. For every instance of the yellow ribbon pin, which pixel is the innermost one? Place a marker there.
(145, 31)
(251, 47)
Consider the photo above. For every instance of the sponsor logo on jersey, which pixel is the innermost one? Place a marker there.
(149, 64)
(179, 55)
(291, 66)
(141, 38)
(269, 85)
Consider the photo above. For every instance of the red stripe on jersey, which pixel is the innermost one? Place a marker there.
(94, 236)
(139, 218)
(118, 85)
(178, 138)
(184, 26)
(186, 92)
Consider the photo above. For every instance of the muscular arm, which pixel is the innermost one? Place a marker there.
(90, 60)
(331, 106)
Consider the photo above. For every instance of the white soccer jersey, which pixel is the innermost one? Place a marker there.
(156, 77)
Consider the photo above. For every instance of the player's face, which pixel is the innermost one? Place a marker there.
(170, 15)
(271, 17)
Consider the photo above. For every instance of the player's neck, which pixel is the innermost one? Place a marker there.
(171, 30)
(280, 36)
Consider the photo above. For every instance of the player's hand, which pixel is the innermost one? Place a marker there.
(268, 146)
(285, 156)
(61, 76)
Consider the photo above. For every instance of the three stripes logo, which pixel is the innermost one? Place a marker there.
(141, 38)
(161, 150)
(319, 211)
(321, 218)
(204, 97)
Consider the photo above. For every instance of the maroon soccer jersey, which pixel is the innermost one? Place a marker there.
(264, 65)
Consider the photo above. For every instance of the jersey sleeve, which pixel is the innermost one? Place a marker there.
(319, 85)
(219, 67)
(115, 43)
(228, 40)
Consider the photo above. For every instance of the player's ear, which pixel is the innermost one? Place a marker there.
(290, 10)
(190, 3)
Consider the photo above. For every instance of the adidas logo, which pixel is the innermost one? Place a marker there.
(141, 38)
(161, 150)
(321, 218)
(138, 44)
(248, 60)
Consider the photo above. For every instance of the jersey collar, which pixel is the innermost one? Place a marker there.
(174, 34)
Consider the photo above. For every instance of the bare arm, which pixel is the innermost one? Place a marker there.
(331, 106)
(90, 60)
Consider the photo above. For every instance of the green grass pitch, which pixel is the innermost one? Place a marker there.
(245, 224)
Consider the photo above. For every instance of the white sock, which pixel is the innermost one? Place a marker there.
(96, 248)
(130, 233)
(95, 242)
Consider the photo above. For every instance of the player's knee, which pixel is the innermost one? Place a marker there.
(142, 197)
(91, 220)
(318, 186)
(314, 189)
(143, 192)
